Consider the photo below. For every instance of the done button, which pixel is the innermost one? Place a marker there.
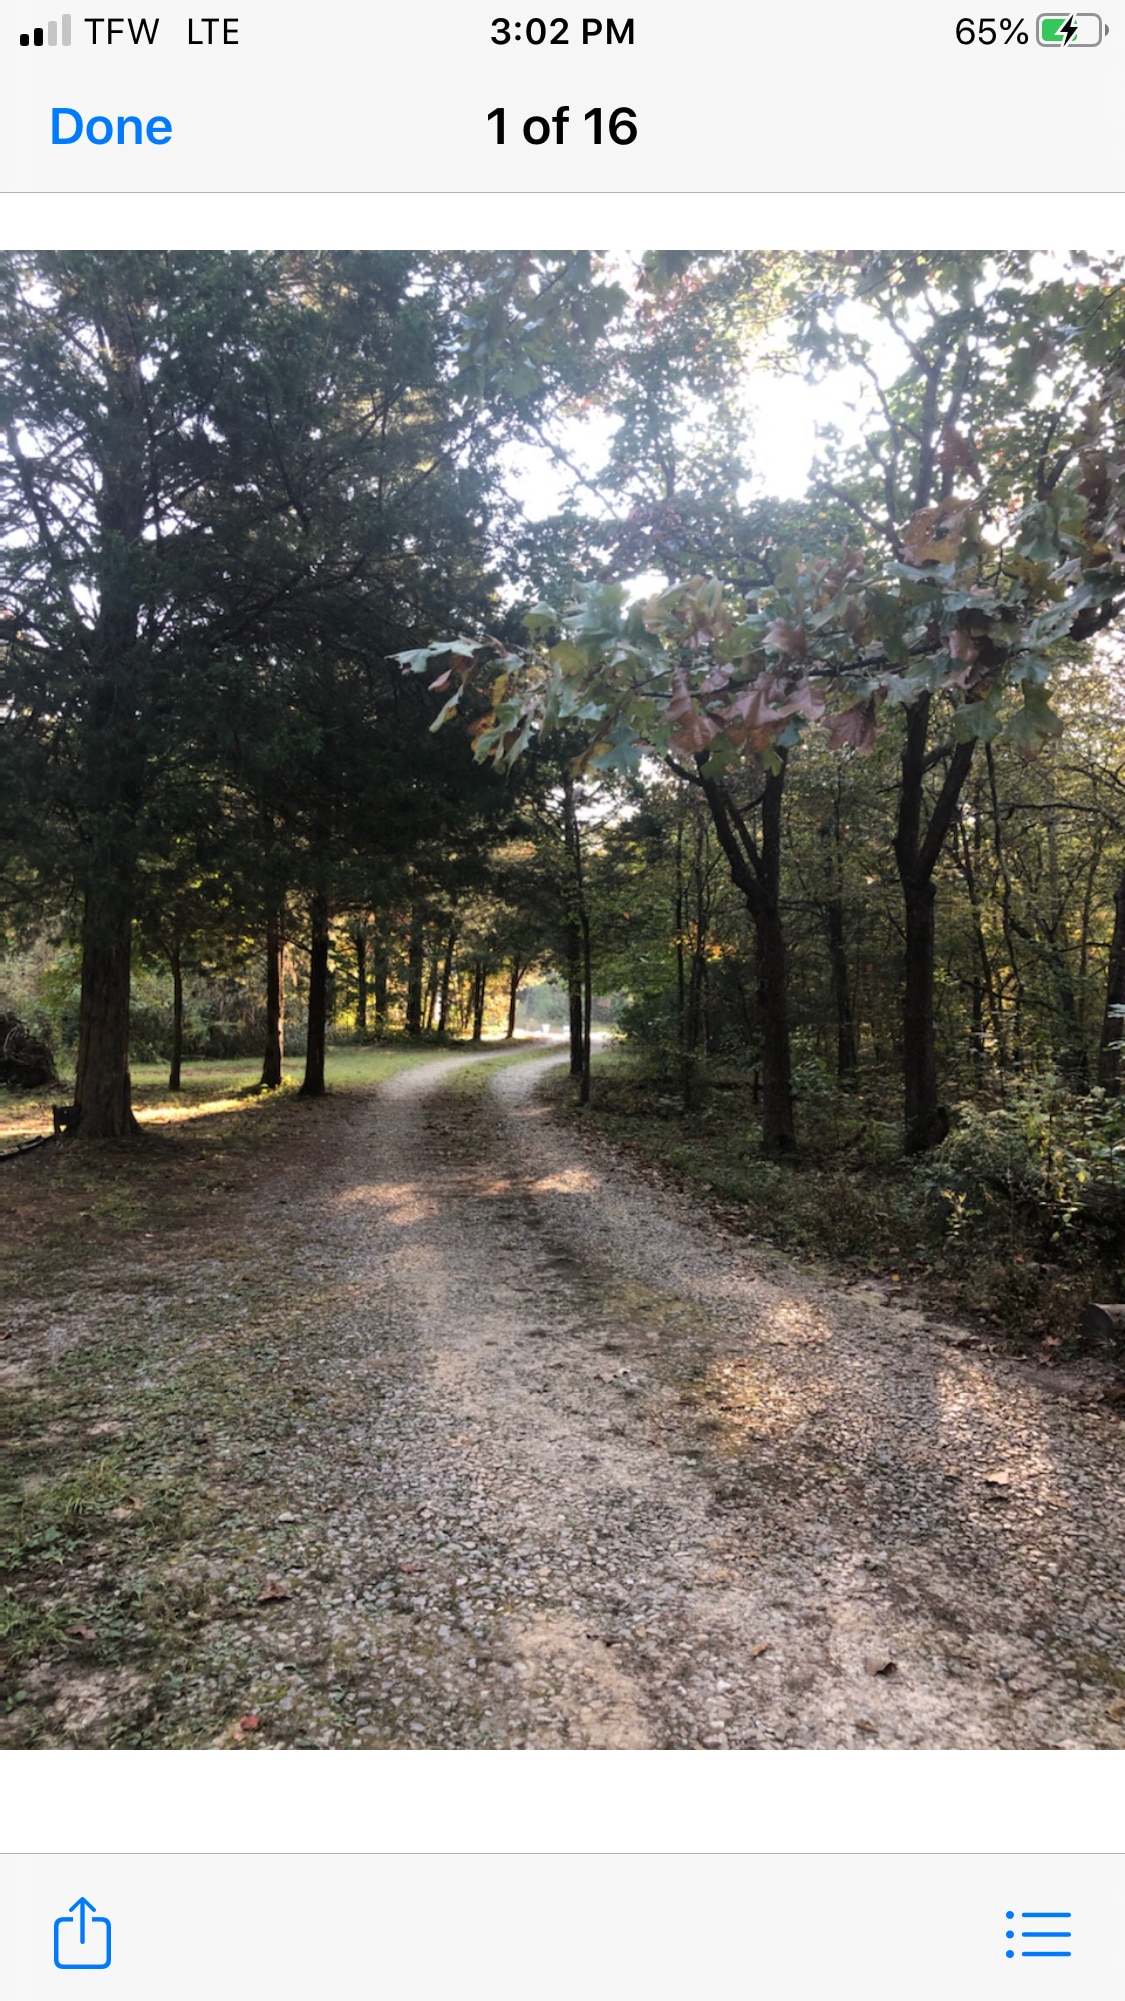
(69, 126)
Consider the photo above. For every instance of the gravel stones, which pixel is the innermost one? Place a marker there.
(541, 1456)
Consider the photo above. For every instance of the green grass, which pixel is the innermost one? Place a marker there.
(217, 1083)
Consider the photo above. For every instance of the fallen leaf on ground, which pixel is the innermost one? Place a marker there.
(272, 1592)
(756, 1651)
(249, 1722)
(1116, 1710)
(81, 1633)
(877, 1665)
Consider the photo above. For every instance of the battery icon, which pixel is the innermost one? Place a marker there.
(1069, 31)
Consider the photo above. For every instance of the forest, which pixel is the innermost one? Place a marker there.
(819, 794)
(711, 663)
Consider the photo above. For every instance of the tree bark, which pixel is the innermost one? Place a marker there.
(103, 1091)
(312, 1085)
(359, 940)
(515, 975)
(415, 968)
(579, 972)
(926, 1122)
(273, 1061)
(847, 1052)
(574, 995)
(446, 980)
(381, 973)
(480, 995)
(433, 986)
(176, 1064)
(755, 869)
(917, 848)
(1113, 1020)
(114, 775)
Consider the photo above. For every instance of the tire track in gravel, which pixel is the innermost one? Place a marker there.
(537, 1454)
(672, 1493)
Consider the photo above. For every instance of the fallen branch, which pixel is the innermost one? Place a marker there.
(1103, 1323)
(27, 1146)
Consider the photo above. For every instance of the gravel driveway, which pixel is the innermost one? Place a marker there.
(564, 1464)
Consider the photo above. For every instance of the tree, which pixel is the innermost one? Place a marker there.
(211, 462)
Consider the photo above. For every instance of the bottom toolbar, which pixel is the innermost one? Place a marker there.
(603, 1927)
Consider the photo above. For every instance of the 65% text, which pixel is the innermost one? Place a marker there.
(985, 30)
(620, 125)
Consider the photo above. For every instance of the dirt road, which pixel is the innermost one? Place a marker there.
(497, 1443)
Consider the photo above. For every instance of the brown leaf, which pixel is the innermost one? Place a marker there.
(1116, 1710)
(788, 638)
(771, 700)
(853, 728)
(251, 1722)
(757, 1652)
(936, 534)
(717, 678)
(81, 1633)
(272, 1592)
(693, 731)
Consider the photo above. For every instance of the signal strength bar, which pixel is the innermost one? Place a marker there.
(36, 38)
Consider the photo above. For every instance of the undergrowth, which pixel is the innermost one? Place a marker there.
(1018, 1219)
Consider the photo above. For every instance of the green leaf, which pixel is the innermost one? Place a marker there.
(976, 722)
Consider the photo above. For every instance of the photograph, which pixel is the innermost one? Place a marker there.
(562, 1000)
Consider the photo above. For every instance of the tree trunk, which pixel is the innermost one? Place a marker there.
(433, 986)
(103, 1092)
(1113, 1021)
(917, 849)
(176, 1064)
(515, 975)
(574, 995)
(446, 980)
(926, 1122)
(272, 1064)
(778, 1130)
(755, 869)
(359, 940)
(381, 974)
(312, 1085)
(113, 775)
(480, 995)
(587, 1008)
(579, 974)
(843, 1006)
(415, 968)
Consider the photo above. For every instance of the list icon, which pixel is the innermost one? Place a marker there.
(1038, 1943)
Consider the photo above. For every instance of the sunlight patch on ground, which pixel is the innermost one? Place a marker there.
(744, 1403)
(973, 1407)
(572, 1181)
(174, 1115)
(402, 1203)
(793, 1323)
